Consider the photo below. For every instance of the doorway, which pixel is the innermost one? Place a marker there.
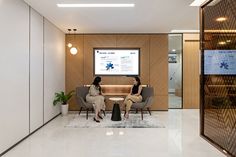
(175, 55)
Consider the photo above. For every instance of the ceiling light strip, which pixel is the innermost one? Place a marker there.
(197, 3)
(185, 31)
(94, 5)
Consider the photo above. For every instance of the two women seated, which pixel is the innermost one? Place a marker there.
(96, 97)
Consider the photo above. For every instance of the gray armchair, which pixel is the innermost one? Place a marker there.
(147, 94)
(81, 93)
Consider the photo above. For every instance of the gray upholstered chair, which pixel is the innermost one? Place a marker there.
(147, 94)
(81, 93)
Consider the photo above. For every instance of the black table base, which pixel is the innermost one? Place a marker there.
(116, 116)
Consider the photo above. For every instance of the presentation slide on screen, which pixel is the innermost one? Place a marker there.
(116, 62)
(220, 62)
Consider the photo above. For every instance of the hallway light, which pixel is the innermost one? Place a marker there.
(222, 43)
(221, 19)
(184, 31)
(197, 3)
(94, 5)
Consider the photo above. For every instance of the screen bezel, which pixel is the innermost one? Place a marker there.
(102, 48)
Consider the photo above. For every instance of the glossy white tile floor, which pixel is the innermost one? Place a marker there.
(180, 138)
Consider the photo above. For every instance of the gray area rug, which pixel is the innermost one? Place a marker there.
(134, 121)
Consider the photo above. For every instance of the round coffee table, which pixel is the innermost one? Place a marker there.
(116, 115)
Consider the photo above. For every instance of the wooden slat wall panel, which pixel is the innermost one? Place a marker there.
(191, 73)
(74, 67)
(159, 70)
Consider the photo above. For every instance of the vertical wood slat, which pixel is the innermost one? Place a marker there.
(158, 64)
(191, 75)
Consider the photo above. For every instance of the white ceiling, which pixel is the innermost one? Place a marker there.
(148, 16)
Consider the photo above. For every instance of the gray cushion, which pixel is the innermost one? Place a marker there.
(147, 94)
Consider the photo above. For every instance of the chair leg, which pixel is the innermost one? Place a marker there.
(104, 112)
(136, 110)
(87, 113)
(80, 110)
(149, 111)
(142, 113)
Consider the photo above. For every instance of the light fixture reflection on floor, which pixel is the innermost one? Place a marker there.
(109, 133)
(121, 133)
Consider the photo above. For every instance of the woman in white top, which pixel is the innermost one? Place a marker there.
(96, 98)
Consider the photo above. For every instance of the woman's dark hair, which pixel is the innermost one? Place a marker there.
(96, 81)
(138, 80)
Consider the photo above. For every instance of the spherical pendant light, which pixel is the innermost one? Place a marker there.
(73, 51)
(69, 45)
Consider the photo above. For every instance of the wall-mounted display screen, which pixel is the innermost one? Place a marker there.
(116, 61)
(220, 62)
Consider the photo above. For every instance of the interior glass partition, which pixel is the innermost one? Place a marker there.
(218, 76)
(175, 70)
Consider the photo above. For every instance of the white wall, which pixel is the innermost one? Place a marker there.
(32, 66)
(36, 70)
(14, 69)
(54, 67)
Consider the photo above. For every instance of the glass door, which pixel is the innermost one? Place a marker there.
(175, 70)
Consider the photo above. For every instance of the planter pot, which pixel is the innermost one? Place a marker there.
(64, 109)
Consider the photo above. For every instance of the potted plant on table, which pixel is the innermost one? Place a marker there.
(62, 99)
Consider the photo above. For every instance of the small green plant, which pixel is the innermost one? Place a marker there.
(62, 98)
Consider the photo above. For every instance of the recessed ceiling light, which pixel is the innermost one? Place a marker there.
(228, 41)
(221, 19)
(197, 3)
(94, 5)
(184, 31)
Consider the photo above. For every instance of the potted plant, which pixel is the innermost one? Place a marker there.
(63, 99)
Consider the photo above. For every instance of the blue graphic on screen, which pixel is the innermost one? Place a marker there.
(109, 66)
(224, 65)
(220, 62)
